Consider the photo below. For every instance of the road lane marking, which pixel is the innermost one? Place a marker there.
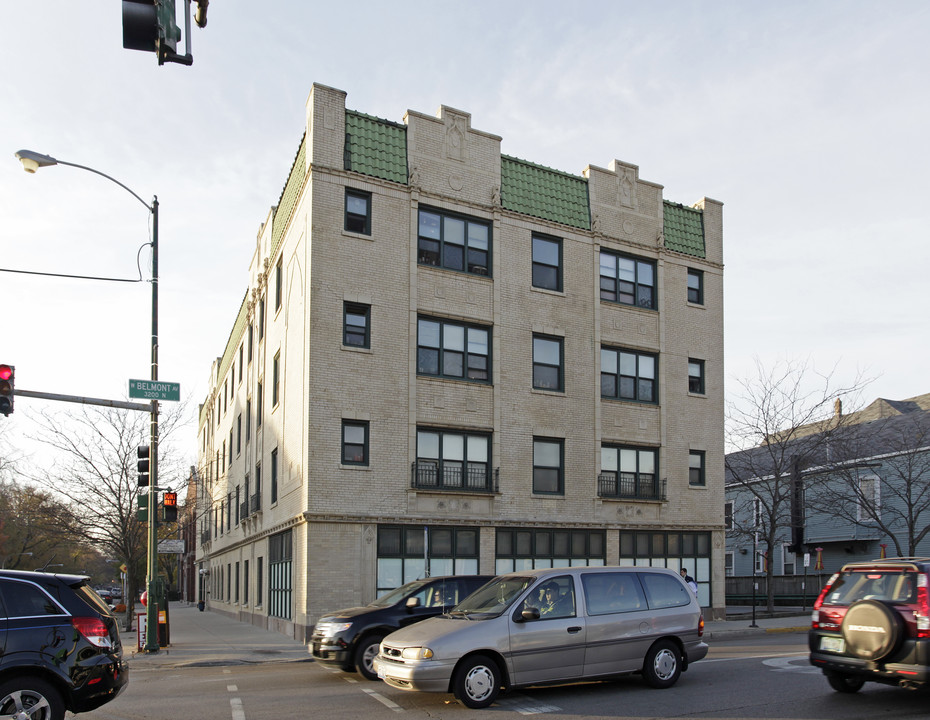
(383, 700)
(232, 688)
(786, 665)
(526, 706)
(237, 712)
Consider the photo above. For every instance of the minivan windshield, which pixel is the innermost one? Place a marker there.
(494, 598)
(398, 594)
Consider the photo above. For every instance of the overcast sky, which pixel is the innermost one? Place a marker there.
(808, 120)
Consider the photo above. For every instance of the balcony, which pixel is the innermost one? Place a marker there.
(243, 510)
(427, 476)
(626, 486)
(255, 503)
(205, 537)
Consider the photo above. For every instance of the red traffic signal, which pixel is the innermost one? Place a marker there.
(170, 507)
(171, 499)
(7, 382)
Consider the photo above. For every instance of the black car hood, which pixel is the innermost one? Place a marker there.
(348, 613)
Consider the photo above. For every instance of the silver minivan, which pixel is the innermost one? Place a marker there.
(553, 625)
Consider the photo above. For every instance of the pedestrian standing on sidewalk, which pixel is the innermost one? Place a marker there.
(689, 580)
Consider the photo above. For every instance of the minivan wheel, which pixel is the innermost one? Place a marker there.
(476, 682)
(31, 698)
(365, 654)
(662, 666)
(845, 683)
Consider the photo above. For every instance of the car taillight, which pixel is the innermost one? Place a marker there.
(815, 613)
(922, 615)
(701, 626)
(93, 629)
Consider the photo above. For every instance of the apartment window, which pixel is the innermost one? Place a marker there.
(236, 585)
(248, 420)
(238, 502)
(451, 460)
(255, 503)
(454, 242)
(230, 447)
(274, 475)
(228, 512)
(245, 582)
(251, 339)
(869, 501)
(728, 515)
(259, 584)
(547, 363)
(354, 442)
(258, 407)
(547, 263)
(629, 375)
(358, 211)
(548, 466)
(447, 349)
(278, 283)
(696, 376)
(695, 287)
(356, 321)
(275, 378)
(630, 472)
(696, 474)
(261, 319)
(223, 456)
(240, 364)
(239, 433)
(627, 280)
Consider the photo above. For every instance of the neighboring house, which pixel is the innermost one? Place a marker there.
(450, 360)
(850, 486)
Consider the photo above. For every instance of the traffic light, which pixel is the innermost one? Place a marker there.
(7, 381)
(170, 504)
(143, 453)
(150, 26)
(142, 513)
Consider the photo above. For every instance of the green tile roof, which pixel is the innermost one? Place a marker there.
(376, 147)
(289, 195)
(684, 229)
(544, 193)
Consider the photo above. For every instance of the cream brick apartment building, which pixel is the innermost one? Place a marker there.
(452, 360)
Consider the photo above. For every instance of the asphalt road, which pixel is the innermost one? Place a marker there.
(760, 677)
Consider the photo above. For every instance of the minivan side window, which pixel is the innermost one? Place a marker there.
(26, 600)
(665, 591)
(555, 598)
(607, 593)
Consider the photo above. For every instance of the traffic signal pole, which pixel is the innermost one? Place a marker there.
(151, 573)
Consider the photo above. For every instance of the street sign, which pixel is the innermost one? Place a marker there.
(148, 390)
(169, 547)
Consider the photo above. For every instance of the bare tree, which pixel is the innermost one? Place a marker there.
(780, 423)
(96, 473)
(883, 483)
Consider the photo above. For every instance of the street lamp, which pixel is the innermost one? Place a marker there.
(10, 557)
(32, 161)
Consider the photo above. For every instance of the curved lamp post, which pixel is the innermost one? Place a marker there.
(32, 161)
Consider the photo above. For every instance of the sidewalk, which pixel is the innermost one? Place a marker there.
(204, 639)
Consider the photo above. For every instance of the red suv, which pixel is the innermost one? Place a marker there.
(872, 622)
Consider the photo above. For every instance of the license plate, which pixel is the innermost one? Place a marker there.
(380, 673)
(832, 644)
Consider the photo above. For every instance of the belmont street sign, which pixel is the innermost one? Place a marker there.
(148, 390)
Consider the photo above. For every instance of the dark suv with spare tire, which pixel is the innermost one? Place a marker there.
(349, 639)
(59, 646)
(872, 623)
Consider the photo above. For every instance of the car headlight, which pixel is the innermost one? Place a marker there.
(330, 629)
(416, 653)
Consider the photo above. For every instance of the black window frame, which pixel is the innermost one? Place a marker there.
(611, 285)
(695, 287)
(350, 331)
(276, 379)
(697, 476)
(436, 251)
(472, 367)
(356, 222)
(639, 381)
(364, 425)
(696, 382)
(440, 472)
(540, 367)
(541, 269)
(638, 484)
(560, 470)
(278, 283)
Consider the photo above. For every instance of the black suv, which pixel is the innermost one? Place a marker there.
(350, 638)
(872, 622)
(59, 646)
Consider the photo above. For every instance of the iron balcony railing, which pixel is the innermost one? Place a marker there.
(205, 537)
(243, 509)
(429, 476)
(628, 485)
(255, 503)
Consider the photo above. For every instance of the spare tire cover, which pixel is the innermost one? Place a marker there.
(872, 629)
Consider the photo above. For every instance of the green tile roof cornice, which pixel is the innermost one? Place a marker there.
(376, 147)
(684, 229)
(289, 196)
(544, 193)
(230, 352)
